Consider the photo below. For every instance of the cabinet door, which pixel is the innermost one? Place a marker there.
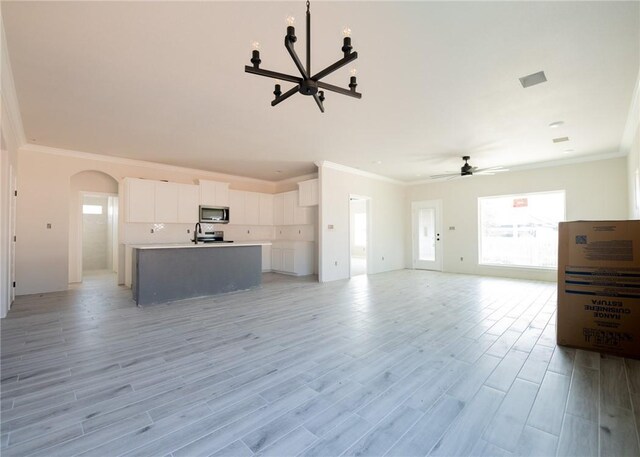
(278, 209)
(207, 192)
(290, 203)
(236, 207)
(308, 193)
(302, 215)
(276, 259)
(188, 199)
(140, 198)
(251, 208)
(288, 260)
(166, 202)
(266, 258)
(222, 194)
(266, 209)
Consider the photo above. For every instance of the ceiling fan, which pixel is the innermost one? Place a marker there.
(468, 170)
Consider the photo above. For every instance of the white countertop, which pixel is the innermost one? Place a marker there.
(199, 245)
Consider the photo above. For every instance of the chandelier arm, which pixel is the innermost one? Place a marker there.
(292, 52)
(340, 90)
(333, 67)
(286, 95)
(272, 74)
(316, 97)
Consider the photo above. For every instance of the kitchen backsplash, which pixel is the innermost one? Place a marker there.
(177, 233)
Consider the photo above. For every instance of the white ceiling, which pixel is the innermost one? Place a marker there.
(165, 82)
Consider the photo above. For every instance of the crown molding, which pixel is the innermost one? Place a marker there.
(8, 91)
(633, 120)
(29, 147)
(356, 171)
(533, 166)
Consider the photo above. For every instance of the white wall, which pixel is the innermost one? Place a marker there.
(387, 218)
(12, 136)
(633, 177)
(594, 190)
(631, 145)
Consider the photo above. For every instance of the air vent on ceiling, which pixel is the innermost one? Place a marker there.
(533, 79)
(561, 139)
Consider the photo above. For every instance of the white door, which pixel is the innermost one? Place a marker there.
(427, 230)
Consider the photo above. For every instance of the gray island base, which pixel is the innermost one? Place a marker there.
(161, 274)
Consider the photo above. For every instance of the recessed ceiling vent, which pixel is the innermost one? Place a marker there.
(561, 139)
(533, 79)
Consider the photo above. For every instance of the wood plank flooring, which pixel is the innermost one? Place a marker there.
(406, 363)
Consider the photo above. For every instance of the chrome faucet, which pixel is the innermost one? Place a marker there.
(197, 229)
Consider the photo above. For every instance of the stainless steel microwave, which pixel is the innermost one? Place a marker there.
(214, 214)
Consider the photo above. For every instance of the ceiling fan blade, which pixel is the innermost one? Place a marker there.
(446, 175)
(491, 170)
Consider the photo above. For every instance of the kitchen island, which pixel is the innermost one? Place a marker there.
(167, 272)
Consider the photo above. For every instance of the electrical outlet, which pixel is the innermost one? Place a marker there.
(336, 263)
(188, 231)
(248, 231)
(452, 228)
(382, 257)
(299, 232)
(48, 226)
(461, 259)
(151, 230)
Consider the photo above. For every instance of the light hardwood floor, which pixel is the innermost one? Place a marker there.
(406, 363)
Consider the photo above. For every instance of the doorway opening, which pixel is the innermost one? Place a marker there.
(99, 233)
(426, 223)
(358, 234)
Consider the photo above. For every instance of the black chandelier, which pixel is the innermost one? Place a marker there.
(307, 84)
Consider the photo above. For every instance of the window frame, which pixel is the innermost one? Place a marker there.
(518, 195)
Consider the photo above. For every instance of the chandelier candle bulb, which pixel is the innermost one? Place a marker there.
(346, 46)
(255, 58)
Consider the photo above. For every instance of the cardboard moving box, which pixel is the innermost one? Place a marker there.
(599, 286)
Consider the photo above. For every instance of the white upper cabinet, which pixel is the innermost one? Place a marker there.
(308, 193)
(188, 201)
(166, 202)
(290, 203)
(160, 201)
(236, 207)
(278, 209)
(251, 208)
(266, 209)
(214, 193)
(140, 197)
(302, 215)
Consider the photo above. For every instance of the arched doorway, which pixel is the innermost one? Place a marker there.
(93, 224)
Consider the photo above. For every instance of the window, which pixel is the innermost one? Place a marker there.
(521, 230)
(91, 209)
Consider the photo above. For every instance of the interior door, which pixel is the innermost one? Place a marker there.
(426, 232)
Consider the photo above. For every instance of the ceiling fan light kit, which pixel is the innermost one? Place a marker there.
(308, 83)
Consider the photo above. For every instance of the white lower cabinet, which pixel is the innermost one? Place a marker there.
(266, 258)
(292, 257)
